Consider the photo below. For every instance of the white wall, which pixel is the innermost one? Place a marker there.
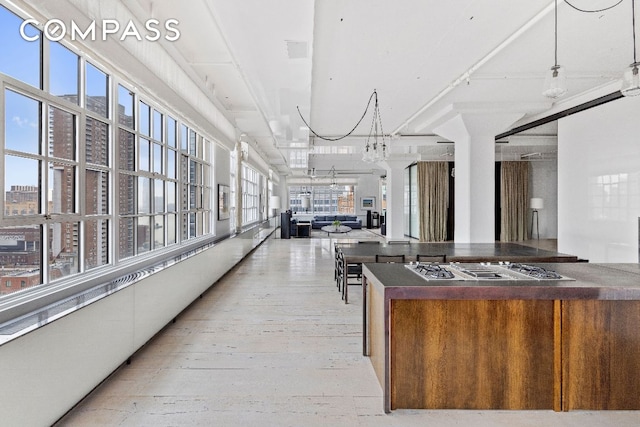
(599, 182)
(222, 170)
(368, 185)
(544, 184)
(47, 371)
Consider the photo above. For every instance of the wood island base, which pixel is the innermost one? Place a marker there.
(465, 352)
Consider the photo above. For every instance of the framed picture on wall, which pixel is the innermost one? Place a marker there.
(223, 202)
(367, 203)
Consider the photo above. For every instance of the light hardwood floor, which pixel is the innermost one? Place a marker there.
(272, 344)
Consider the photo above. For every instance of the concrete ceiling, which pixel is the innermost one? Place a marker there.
(260, 62)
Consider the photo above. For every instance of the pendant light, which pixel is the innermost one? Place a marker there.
(376, 150)
(631, 79)
(555, 82)
(334, 183)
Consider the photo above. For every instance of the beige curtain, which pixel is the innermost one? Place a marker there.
(514, 201)
(433, 200)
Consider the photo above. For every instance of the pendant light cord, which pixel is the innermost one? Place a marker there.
(555, 32)
(373, 95)
(593, 10)
(633, 22)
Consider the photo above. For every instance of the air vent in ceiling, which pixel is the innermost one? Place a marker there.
(297, 49)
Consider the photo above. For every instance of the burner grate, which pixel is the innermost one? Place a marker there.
(534, 271)
(434, 271)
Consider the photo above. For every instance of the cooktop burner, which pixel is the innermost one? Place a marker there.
(483, 271)
(433, 271)
(533, 271)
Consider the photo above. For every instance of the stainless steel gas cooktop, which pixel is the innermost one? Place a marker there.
(484, 271)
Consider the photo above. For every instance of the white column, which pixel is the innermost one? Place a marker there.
(473, 132)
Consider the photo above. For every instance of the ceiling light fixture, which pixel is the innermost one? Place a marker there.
(334, 184)
(631, 79)
(375, 149)
(555, 82)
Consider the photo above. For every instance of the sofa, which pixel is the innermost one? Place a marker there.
(320, 221)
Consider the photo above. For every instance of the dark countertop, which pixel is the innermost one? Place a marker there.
(592, 281)
(462, 252)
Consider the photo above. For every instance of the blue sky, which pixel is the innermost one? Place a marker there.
(20, 59)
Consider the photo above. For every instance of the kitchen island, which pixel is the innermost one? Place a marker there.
(505, 344)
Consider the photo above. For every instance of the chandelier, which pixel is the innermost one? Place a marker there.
(334, 182)
(375, 148)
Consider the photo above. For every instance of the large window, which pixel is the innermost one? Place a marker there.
(322, 199)
(250, 195)
(93, 171)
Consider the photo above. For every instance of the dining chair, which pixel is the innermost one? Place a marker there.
(345, 272)
(431, 258)
(389, 258)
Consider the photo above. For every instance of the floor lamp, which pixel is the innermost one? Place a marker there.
(535, 204)
(274, 204)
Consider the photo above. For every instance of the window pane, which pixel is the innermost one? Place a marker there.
(126, 193)
(126, 238)
(19, 258)
(192, 142)
(158, 195)
(21, 179)
(22, 123)
(193, 192)
(143, 231)
(126, 141)
(145, 119)
(96, 142)
(157, 158)
(143, 155)
(63, 249)
(171, 164)
(19, 58)
(171, 132)
(61, 194)
(171, 197)
(206, 202)
(192, 225)
(96, 91)
(193, 174)
(125, 107)
(157, 125)
(97, 192)
(63, 72)
(171, 229)
(184, 137)
(206, 222)
(96, 243)
(62, 134)
(158, 231)
(144, 195)
(185, 227)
